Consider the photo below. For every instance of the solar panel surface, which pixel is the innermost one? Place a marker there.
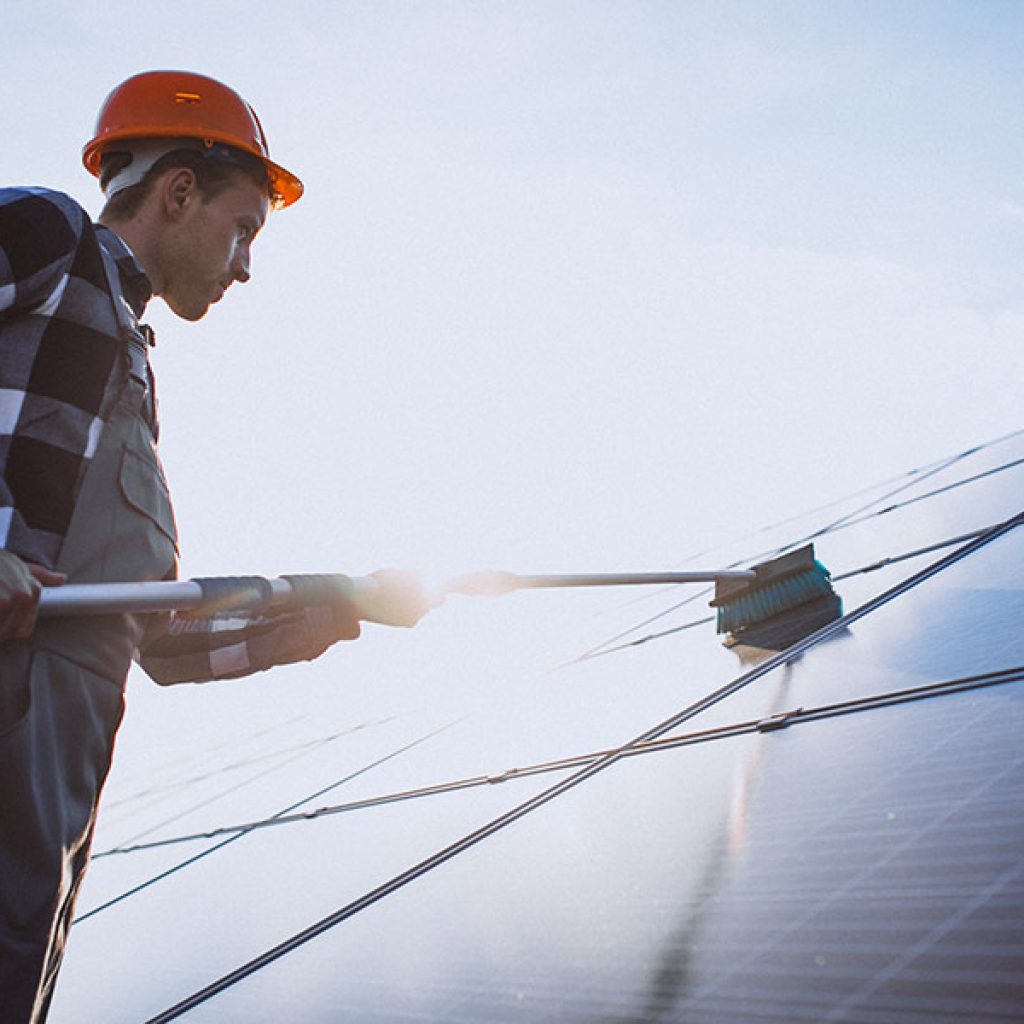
(859, 860)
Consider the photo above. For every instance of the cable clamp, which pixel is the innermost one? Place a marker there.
(779, 721)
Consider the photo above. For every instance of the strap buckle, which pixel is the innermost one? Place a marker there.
(135, 359)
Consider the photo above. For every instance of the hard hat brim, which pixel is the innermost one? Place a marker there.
(285, 186)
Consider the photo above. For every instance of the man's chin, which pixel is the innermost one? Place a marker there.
(187, 310)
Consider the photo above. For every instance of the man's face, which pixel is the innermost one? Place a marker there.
(208, 248)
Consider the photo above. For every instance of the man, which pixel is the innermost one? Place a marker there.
(185, 168)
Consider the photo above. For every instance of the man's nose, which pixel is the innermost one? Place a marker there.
(240, 265)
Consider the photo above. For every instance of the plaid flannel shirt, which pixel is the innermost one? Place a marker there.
(59, 344)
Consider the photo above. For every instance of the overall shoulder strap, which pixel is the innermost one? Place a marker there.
(136, 339)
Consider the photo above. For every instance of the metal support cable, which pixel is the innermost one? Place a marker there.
(769, 724)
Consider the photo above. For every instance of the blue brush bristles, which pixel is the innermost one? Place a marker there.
(760, 601)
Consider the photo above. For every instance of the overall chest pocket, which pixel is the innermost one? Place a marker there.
(144, 488)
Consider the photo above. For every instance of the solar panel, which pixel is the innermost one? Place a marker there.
(795, 849)
(868, 867)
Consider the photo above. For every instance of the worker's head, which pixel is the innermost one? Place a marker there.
(184, 165)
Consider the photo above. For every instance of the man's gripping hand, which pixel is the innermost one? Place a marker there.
(20, 584)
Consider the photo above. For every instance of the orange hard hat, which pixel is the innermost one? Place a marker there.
(181, 104)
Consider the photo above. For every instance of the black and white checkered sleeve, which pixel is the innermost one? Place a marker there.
(58, 345)
(39, 233)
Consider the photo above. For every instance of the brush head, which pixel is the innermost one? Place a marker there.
(778, 586)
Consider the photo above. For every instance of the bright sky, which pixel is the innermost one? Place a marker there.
(573, 283)
(575, 286)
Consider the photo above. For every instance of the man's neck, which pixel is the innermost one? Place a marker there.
(137, 239)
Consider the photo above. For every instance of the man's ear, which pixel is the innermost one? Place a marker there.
(180, 191)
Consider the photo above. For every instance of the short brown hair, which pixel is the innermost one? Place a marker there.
(214, 171)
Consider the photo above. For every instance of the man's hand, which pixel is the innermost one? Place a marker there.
(394, 597)
(20, 584)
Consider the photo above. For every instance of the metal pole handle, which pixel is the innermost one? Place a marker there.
(492, 583)
(245, 593)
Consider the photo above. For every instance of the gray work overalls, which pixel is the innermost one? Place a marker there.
(66, 684)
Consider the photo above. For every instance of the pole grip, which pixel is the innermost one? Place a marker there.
(209, 595)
